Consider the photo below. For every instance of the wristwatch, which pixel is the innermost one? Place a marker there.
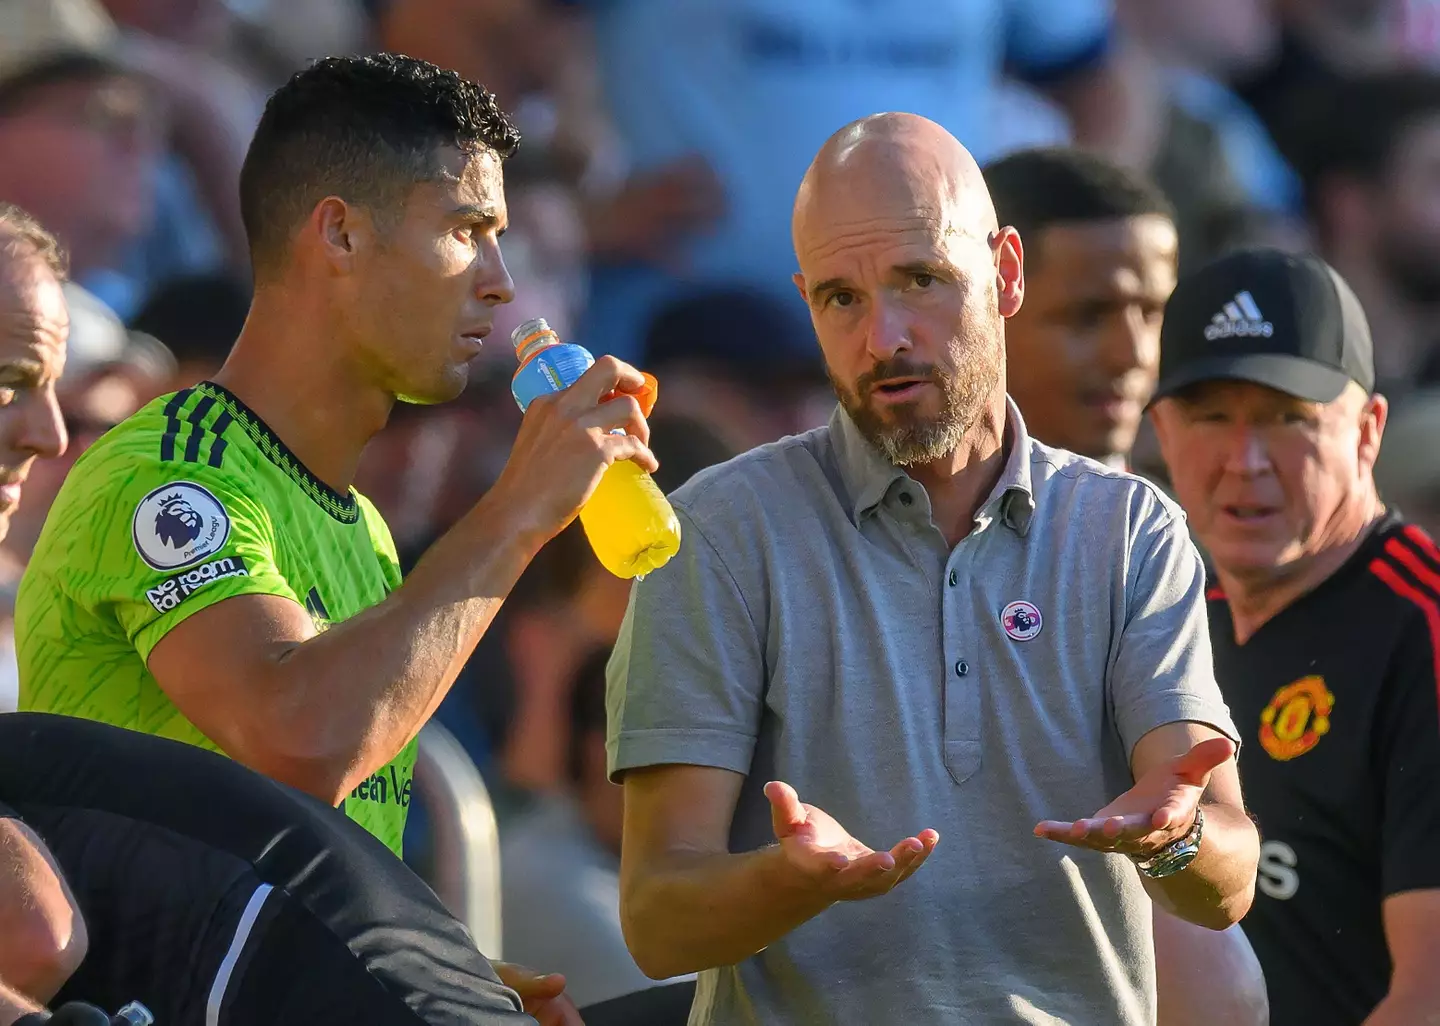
(1176, 855)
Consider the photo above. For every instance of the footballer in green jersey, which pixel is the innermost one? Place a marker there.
(208, 572)
(190, 502)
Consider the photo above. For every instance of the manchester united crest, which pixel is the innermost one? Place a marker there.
(1296, 718)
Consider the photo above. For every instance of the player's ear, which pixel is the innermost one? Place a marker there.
(338, 231)
(1373, 416)
(1009, 270)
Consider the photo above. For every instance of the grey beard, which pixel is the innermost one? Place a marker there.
(914, 444)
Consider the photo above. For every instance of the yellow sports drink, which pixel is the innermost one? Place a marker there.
(629, 522)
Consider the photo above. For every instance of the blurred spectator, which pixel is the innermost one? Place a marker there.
(262, 39)
(198, 318)
(1371, 164)
(1408, 469)
(185, 49)
(751, 90)
(503, 44)
(565, 605)
(1324, 43)
(93, 111)
(80, 136)
(1100, 261)
(110, 372)
(34, 326)
(560, 864)
(743, 361)
(1212, 153)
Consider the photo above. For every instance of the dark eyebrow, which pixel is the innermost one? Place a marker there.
(919, 267)
(904, 270)
(828, 285)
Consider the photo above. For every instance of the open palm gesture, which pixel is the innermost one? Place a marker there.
(1158, 810)
(823, 851)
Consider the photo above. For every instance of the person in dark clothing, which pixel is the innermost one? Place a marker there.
(1324, 611)
(213, 894)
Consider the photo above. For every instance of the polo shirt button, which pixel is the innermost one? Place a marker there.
(962, 668)
(954, 578)
(906, 498)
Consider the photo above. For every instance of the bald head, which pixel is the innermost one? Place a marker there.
(892, 166)
(908, 279)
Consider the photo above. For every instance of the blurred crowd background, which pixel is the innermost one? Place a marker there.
(649, 206)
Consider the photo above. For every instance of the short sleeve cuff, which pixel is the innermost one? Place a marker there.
(149, 636)
(1168, 709)
(720, 749)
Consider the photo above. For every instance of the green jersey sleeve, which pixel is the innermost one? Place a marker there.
(153, 543)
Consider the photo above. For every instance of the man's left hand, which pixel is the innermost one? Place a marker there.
(1158, 810)
(542, 994)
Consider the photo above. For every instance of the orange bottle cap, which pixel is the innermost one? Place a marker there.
(646, 396)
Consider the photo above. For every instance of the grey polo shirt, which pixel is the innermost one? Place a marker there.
(816, 628)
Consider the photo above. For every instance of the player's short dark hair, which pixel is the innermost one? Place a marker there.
(1036, 188)
(19, 230)
(366, 129)
(1354, 127)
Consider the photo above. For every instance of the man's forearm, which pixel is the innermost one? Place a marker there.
(704, 911)
(14, 1005)
(1217, 888)
(43, 938)
(361, 690)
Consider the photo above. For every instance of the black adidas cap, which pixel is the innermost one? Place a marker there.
(1284, 320)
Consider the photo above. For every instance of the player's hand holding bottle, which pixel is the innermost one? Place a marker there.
(566, 443)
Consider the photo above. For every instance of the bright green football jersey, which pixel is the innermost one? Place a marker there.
(191, 501)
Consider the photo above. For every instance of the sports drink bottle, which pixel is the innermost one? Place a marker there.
(628, 520)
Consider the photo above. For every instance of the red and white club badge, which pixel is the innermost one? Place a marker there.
(1021, 620)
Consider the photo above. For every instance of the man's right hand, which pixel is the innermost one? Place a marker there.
(565, 444)
(837, 865)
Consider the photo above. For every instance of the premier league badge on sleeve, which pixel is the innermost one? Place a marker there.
(178, 525)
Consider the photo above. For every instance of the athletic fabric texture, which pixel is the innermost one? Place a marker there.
(192, 501)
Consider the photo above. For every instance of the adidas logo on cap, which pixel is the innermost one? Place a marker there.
(1239, 318)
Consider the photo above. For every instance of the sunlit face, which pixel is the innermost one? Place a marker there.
(34, 324)
(426, 291)
(907, 311)
(1268, 480)
(1083, 352)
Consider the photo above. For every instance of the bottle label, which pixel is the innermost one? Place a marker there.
(551, 370)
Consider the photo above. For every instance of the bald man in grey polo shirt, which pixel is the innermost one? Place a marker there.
(918, 617)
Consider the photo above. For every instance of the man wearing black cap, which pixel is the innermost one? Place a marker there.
(1325, 621)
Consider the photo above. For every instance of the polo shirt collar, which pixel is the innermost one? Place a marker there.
(869, 476)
